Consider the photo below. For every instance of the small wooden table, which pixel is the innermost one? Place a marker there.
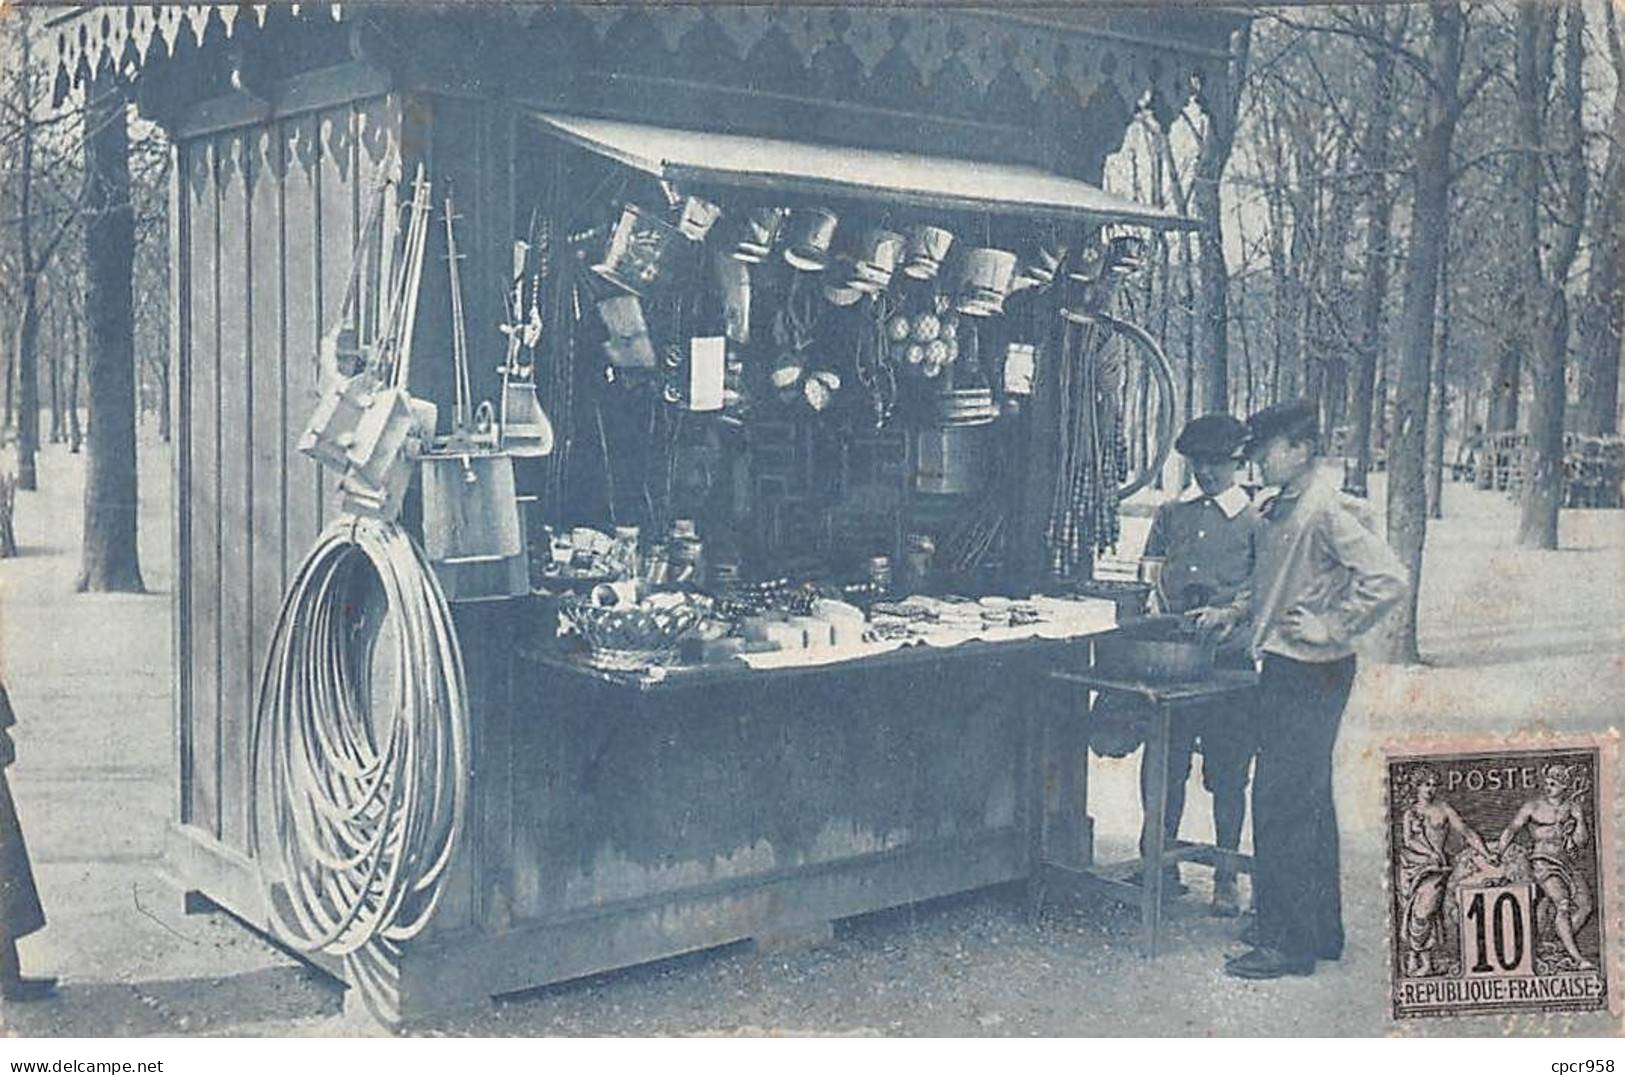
(1166, 697)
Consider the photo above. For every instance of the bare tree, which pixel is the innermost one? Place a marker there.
(1439, 389)
(1547, 275)
(1379, 232)
(1213, 318)
(46, 201)
(1430, 206)
(110, 559)
(1604, 308)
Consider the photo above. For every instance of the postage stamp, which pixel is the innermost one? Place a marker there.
(1500, 875)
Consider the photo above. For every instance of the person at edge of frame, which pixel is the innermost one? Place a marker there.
(1199, 553)
(20, 911)
(1321, 578)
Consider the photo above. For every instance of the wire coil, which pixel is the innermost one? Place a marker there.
(358, 806)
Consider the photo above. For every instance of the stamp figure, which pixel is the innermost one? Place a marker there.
(1557, 824)
(1425, 868)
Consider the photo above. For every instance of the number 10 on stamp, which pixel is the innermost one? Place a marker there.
(1497, 935)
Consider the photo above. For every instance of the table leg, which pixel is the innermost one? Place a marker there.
(1156, 756)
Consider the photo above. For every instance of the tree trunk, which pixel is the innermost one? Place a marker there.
(54, 369)
(1505, 388)
(1439, 390)
(28, 379)
(1334, 334)
(163, 399)
(1407, 496)
(76, 436)
(110, 558)
(1542, 494)
(28, 330)
(1604, 310)
(1213, 303)
(1379, 216)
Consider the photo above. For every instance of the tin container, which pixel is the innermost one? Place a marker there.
(880, 573)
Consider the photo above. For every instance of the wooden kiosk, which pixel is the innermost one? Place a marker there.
(613, 820)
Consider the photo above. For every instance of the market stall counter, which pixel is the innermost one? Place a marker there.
(649, 816)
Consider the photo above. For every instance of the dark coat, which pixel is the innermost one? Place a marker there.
(20, 910)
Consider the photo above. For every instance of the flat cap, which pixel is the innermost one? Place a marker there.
(1212, 436)
(1299, 419)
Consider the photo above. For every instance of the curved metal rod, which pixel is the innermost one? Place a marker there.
(1162, 372)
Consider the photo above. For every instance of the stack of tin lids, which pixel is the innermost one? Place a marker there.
(966, 407)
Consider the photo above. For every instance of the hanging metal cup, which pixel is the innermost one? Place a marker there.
(757, 231)
(925, 250)
(984, 275)
(698, 218)
(808, 235)
(876, 261)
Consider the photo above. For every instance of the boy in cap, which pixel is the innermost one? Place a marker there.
(1200, 553)
(1322, 577)
(20, 912)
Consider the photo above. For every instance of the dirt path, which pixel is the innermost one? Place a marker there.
(1519, 639)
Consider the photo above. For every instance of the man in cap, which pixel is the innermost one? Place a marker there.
(1322, 577)
(1200, 553)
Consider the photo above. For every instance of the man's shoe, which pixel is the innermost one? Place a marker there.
(1226, 903)
(24, 990)
(1264, 963)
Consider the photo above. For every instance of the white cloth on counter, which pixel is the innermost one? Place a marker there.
(1061, 618)
(812, 656)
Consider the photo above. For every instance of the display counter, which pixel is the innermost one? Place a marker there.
(620, 820)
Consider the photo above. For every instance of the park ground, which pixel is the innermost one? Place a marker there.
(1514, 641)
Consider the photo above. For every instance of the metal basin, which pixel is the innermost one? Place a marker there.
(1157, 648)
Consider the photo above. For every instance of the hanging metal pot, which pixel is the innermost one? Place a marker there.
(808, 235)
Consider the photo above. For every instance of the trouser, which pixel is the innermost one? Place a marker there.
(1297, 888)
(1228, 739)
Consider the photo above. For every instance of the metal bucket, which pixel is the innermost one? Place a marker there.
(473, 532)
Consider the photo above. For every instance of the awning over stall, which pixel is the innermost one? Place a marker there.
(952, 183)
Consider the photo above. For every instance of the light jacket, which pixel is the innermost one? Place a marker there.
(1318, 552)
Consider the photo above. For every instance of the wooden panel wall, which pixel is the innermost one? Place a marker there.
(269, 221)
(200, 567)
